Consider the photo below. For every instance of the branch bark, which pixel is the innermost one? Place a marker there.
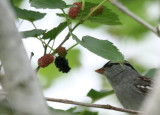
(92, 105)
(20, 81)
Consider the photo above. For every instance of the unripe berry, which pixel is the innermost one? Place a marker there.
(45, 60)
(61, 51)
(73, 11)
(99, 11)
(78, 4)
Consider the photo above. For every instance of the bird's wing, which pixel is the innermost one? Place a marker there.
(144, 84)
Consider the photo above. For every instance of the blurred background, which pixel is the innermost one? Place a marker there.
(139, 46)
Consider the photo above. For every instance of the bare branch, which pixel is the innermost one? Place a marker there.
(138, 19)
(92, 105)
(87, 104)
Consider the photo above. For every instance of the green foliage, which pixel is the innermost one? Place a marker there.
(50, 73)
(103, 48)
(74, 58)
(140, 68)
(28, 15)
(5, 107)
(130, 27)
(151, 73)
(51, 4)
(96, 95)
(61, 112)
(16, 2)
(71, 112)
(107, 17)
(53, 33)
(33, 33)
(89, 113)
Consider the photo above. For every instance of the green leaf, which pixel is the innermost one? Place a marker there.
(51, 4)
(50, 73)
(17, 2)
(103, 48)
(89, 113)
(107, 17)
(151, 73)
(33, 33)
(28, 14)
(52, 34)
(96, 95)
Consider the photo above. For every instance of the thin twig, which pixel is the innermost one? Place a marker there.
(72, 46)
(138, 19)
(32, 54)
(92, 105)
(20, 24)
(37, 69)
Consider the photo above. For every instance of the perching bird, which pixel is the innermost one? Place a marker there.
(129, 86)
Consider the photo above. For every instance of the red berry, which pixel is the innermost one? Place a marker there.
(73, 11)
(99, 11)
(78, 4)
(45, 60)
(61, 51)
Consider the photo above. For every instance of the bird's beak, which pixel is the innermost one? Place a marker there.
(101, 70)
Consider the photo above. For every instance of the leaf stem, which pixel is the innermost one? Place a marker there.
(34, 25)
(135, 17)
(80, 22)
(67, 36)
(83, 4)
(67, 19)
(72, 46)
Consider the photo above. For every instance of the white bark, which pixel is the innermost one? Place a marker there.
(152, 103)
(20, 81)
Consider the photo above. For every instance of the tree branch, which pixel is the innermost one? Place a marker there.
(92, 105)
(138, 19)
(86, 104)
(20, 81)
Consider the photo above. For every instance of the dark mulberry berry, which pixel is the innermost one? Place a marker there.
(62, 64)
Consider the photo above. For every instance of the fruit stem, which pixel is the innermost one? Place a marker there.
(80, 22)
(72, 46)
(67, 19)
(83, 4)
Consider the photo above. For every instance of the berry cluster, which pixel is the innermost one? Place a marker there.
(62, 64)
(73, 11)
(99, 11)
(45, 60)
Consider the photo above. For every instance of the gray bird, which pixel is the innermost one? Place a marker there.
(129, 86)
